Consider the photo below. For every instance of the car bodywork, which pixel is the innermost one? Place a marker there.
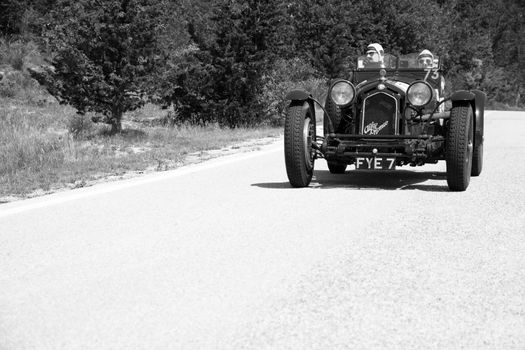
(390, 115)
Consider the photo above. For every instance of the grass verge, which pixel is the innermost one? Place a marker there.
(45, 148)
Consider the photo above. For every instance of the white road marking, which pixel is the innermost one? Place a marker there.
(71, 195)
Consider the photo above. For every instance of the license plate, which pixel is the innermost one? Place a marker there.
(375, 163)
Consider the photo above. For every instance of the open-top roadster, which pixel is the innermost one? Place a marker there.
(385, 117)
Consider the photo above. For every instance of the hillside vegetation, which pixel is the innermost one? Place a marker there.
(230, 62)
(91, 88)
(45, 147)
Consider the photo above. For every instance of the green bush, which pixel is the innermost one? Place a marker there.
(17, 58)
(8, 88)
(104, 56)
(80, 126)
(501, 86)
(20, 86)
(289, 75)
(19, 54)
(222, 79)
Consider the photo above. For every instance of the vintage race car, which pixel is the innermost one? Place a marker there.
(385, 117)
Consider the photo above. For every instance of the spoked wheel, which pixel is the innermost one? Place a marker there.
(299, 133)
(459, 147)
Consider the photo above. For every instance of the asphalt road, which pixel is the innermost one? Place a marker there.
(225, 255)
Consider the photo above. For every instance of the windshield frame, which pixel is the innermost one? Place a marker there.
(402, 62)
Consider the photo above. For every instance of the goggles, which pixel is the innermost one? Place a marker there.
(427, 61)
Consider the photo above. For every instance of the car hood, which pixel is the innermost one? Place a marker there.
(396, 85)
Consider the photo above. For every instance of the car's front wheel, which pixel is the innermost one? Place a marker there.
(459, 147)
(299, 134)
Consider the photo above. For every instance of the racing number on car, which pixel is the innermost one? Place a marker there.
(434, 72)
(375, 163)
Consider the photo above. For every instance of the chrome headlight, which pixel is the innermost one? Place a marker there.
(342, 92)
(419, 93)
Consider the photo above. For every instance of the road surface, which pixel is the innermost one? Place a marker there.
(225, 255)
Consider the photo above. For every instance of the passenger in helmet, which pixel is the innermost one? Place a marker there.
(425, 59)
(374, 55)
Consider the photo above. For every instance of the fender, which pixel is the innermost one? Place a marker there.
(477, 99)
(303, 95)
(479, 111)
(462, 95)
(298, 95)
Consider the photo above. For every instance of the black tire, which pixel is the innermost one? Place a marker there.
(299, 133)
(336, 168)
(334, 113)
(477, 160)
(459, 147)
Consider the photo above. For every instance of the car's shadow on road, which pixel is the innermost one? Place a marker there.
(385, 180)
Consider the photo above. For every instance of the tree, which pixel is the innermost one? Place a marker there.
(333, 33)
(221, 79)
(23, 17)
(406, 26)
(10, 16)
(328, 33)
(104, 54)
(484, 40)
(507, 39)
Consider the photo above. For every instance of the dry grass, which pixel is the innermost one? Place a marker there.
(45, 148)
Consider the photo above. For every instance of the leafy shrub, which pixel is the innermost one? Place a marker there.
(19, 85)
(8, 88)
(19, 54)
(104, 55)
(184, 87)
(222, 79)
(289, 75)
(501, 86)
(80, 126)
(17, 58)
(171, 119)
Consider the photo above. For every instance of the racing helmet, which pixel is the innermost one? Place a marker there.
(425, 59)
(374, 49)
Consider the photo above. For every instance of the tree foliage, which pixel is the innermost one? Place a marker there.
(10, 16)
(222, 78)
(23, 17)
(104, 52)
(476, 39)
(214, 59)
(327, 33)
(333, 33)
(483, 48)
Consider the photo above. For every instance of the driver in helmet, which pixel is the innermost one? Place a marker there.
(425, 59)
(374, 55)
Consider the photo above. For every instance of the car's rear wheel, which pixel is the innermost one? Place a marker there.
(459, 147)
(334, 114)
(336, 167)
(477, 159)
(299, 133)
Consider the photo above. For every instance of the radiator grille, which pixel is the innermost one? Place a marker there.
(379, 115)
